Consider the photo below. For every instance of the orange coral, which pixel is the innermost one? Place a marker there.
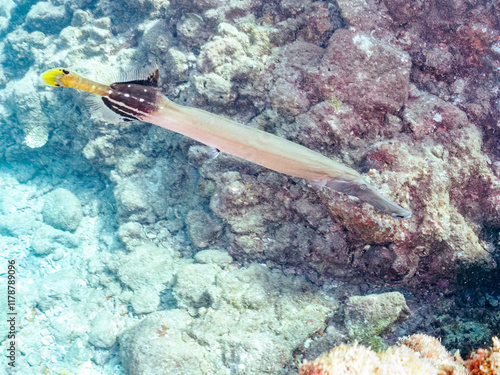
(343, 359)
(431, 348)
(485, 361)
(428, 346)
(417, 355)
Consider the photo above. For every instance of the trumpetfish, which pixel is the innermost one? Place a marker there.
(141, 99)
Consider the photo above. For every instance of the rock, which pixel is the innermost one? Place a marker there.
(103, 23)
(492, 301)
(195, 285)
(374, 315)
(6, 9)
(203, 228)
(320, 22)
(191, 31)
(212, 256)
(54, 290)
(79, 292)
(48, 240)
(145, 301)
(35, 123)
(440, 60)
(237, 202)
(228, 55)
(18, 224)
(147, 266)
(365, 72)
(46, 17)
(133, 202)
(244, 288)
(403, 12)
(363, 15)
(285, 95)
(291, 91)
(81, 18)
(158, 342)
(245, 302)
(131, 197)
(199, 5)
(156, 37)
(214, 88)
(141, 6)
(25, 172)
(131, 234)
(100, 148)
(15, 198)
(235, 308)
(62, 209)
(20, 49)
(131, 163)
(178, 63)
(465, 335)
(103, 330)
(426, 114)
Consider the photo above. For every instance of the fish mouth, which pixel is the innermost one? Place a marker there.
(51, 77)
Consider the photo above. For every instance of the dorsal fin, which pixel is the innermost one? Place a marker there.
(151, 79)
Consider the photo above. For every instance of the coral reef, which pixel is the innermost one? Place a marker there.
(485, 361)
(138, 248)
(417, 355)
(433, 351)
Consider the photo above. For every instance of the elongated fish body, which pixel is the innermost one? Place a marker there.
(142, 100)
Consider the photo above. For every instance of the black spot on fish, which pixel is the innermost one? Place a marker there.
(131, 101)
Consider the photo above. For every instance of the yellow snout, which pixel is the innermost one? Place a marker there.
(53, 76)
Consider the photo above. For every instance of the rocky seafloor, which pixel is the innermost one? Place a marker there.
(139, 253)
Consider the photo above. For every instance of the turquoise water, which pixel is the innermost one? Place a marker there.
(127, 248)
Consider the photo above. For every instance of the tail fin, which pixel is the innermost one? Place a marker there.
(364, 191)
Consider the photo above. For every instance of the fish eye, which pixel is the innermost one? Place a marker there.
(65, 71)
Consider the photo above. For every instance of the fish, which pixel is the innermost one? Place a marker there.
(195, 17)
(141, 99)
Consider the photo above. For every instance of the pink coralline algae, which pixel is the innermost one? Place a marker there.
(438, 168)
(404, 93)
(360, 70)
(417, 148)
(442, 178)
